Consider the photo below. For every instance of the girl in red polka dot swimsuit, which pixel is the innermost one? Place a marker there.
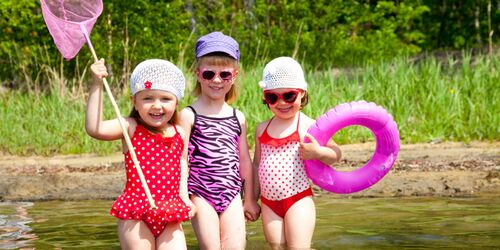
(288, 211)
(161, 149)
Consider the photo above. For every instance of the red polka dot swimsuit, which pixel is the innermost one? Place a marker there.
(159, 158)
(282, 176)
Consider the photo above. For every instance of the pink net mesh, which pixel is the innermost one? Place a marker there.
(70, 22)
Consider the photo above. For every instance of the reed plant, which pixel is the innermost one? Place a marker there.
(47, 124)
(454, 100)
(431, 100)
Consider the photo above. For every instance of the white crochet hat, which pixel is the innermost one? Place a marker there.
(159, 75)
(283, 72)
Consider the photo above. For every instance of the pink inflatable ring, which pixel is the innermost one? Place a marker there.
(364, 114)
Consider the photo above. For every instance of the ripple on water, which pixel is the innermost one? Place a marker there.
(14, 229)
(361, 223)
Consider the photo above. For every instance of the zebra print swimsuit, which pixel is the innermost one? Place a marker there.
(214, 162)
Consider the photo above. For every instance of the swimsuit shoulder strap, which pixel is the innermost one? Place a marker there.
(235, 116)
(175, 127)
(192, 109)
(269, 123)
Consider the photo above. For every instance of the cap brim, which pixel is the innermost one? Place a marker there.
(212, 49)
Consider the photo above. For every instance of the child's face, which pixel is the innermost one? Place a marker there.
(284, 102)
(155, 107)
(215, 81)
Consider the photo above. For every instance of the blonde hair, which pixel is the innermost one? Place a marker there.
(219, 59)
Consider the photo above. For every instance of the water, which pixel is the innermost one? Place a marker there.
(365, 223)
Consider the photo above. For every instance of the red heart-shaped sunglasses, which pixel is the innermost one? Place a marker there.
(288, 96)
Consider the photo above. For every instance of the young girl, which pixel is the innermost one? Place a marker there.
(160, 146)
(288, 212)
(219, 161)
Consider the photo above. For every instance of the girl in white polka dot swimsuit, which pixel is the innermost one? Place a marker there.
(160, 145)
(288, 211)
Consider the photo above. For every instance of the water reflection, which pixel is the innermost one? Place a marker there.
(394, 223)
(15, 232)
(385, 223)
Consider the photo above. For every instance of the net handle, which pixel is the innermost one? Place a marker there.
(122, 125)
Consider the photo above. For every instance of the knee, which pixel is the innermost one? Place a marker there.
(277, 246)
(234, 242)
(209, 245)
(299, 247)
(233, 245)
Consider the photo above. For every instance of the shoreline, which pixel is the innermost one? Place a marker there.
(450, 169)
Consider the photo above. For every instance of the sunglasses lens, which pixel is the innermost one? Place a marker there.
(208, 74)
(290, 96)
(225, 75)
(271, 98)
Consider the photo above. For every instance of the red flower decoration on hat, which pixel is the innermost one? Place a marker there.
(147, 84)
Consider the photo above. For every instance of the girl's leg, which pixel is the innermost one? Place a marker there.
(172, 237)
(299, 224)
(134, 234)
(205, 224)
(273, 228)
(232, 226)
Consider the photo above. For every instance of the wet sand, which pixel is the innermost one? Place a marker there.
(442, 169)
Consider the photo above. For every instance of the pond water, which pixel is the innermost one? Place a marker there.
(361, 223)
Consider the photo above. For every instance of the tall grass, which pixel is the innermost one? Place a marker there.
(36, 70)
(46, 125)
(430, 100)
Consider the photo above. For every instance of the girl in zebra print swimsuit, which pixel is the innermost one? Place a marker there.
(219, 161)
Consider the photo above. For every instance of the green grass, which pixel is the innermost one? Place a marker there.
(46, 125)
(452, 101)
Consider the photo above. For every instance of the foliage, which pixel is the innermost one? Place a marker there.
(459, 24)
(321, 33)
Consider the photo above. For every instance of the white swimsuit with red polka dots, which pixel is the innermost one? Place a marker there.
(159, 158)
(281, 168)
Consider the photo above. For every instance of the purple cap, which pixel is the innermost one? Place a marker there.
(217, 42)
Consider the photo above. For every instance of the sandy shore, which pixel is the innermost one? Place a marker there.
(443, 169)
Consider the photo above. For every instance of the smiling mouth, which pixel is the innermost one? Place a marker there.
(284, 110)
(156, 115)
(217, 88)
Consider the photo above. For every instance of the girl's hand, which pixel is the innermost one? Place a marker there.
(310, 150)
(251, 209)
(99, 70)
(328, 154)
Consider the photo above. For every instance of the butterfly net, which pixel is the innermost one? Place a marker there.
(70, 22)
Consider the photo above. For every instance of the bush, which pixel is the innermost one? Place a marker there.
(323, 33)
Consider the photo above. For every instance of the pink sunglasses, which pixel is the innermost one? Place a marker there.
(208, 74)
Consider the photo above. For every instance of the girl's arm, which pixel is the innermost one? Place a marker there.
(94, 125)
(250, 206)
(256, 161)
(328, 154)
(183, 188)
(186, 121)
